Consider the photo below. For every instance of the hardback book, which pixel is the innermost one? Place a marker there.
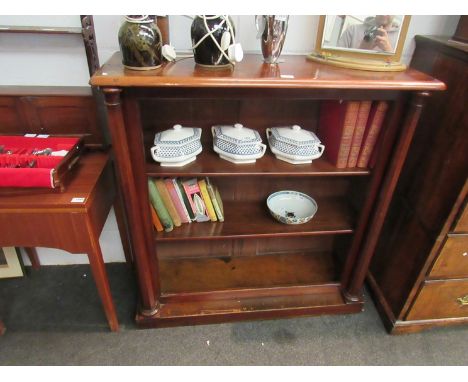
(159, 206)
(184, 218)
(156, 222)
(336, 129)
(207, 200)
(187, 204)
(361, 122)
(215, 200)
(180, 195)
(192, 190)
(166, 198)
(374, 125)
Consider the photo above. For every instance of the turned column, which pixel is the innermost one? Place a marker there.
(132, 195)
(353, 286)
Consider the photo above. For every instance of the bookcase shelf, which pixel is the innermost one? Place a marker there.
(252, 219)
(208, 163)
(250, 266)
(183, 277)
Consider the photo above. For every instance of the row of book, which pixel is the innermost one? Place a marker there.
(350, 131)
(174, 201)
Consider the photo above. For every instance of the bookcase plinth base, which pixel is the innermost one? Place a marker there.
(247, 308)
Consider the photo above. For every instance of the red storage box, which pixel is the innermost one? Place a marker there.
(22, 165)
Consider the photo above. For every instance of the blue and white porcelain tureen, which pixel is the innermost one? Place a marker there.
(177, 146)
(294, 145)
(237, 144)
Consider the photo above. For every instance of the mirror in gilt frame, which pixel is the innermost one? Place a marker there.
(366, 42)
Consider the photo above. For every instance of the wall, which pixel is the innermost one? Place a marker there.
(48, 60)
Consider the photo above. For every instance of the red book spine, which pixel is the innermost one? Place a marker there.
(175, 199)
(336, 128)
(359, 130)
(374, 124)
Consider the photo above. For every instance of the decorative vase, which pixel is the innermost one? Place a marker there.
(272, 30)
(140, 43)
(213, 41)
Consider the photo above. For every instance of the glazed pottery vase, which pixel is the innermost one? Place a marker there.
(206, 52)
(140, 43)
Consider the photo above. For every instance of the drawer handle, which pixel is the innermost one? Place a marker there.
(463, 300)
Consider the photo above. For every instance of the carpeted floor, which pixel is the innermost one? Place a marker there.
(54, 317)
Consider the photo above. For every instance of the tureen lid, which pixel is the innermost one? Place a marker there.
(295, 135)
(237, 134)
(177, 135)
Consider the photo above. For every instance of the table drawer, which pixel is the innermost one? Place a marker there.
(441, 299)
(452, 261)
(462, 223)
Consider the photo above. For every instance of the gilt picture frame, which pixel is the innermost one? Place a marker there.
(331, 50)
(10, 265)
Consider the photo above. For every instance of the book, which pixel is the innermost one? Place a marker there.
(215, 199)
(181, 195)
(374, 124)
(192, 190)
(166, 198)
(159, 206)
(206, 198)
(187, 204)
(361, 122)
(184, 218)
(156, 222)
(336, 129)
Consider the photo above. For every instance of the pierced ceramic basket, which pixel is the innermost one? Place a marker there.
(294, 145)
(291, 207)
(177, 146)
(237, 144)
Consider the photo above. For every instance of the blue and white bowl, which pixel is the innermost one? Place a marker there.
(291, 207)
(294, 145)
(237, 144)
(177, 146)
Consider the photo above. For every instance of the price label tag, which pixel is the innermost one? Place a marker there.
(29, 135)
(78, 200)
(287, 76)
(43, 136)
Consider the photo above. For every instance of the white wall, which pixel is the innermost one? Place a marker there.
(50, 60)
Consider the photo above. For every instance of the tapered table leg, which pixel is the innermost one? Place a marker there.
(33, 257)
(102, 283)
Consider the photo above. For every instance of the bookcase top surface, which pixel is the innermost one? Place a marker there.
(295, 71)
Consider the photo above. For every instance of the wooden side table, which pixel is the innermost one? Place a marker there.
(71, 220)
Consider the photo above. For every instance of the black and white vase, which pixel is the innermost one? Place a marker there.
(210, 48)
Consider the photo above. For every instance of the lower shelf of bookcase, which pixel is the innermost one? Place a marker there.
(259, 304)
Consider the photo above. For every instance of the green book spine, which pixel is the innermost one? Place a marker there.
(185, 199)
(158, 205)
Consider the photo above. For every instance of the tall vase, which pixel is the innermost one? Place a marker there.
(210, 48)
(140, 43)
(272, 30)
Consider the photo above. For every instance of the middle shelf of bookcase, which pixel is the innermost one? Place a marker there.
(208, 163)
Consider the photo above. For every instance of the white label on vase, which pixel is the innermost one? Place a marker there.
(287, 76)
(281, 17)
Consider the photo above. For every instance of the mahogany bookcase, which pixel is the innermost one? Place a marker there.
(251, 266)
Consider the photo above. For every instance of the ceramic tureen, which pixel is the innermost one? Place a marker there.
(294, 145)
(237, 144)
(177, 146)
